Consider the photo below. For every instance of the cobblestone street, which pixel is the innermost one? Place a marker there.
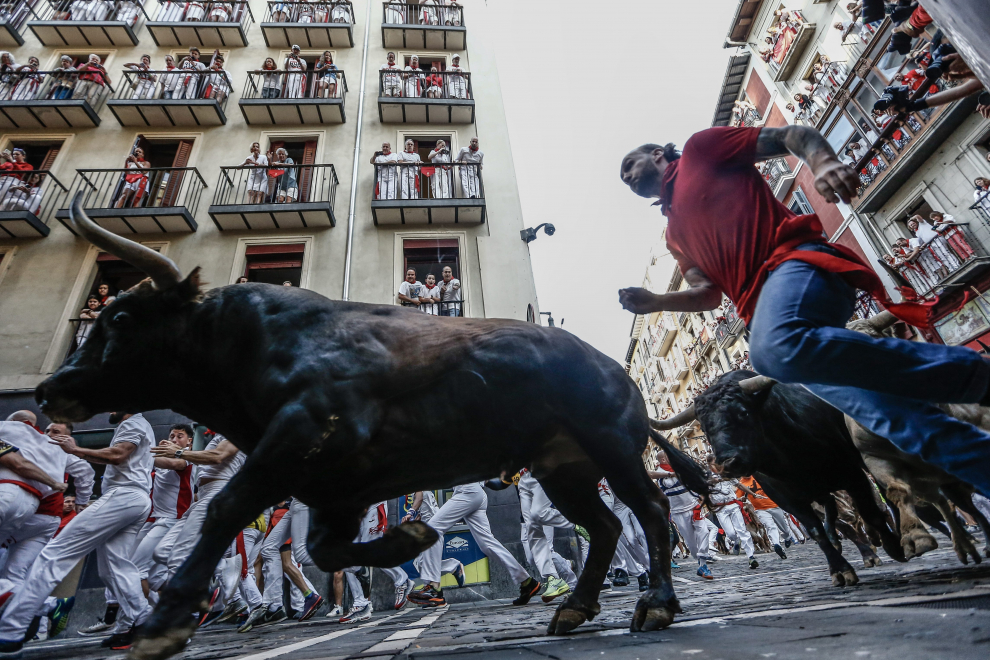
(931, 607)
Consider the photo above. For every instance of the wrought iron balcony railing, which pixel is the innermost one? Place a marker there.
(309, 24)
(421, 84)
(332, 11)
(55, 86)
(428, 181)
(171, 98)
(27, 202)
(774, 170)
(939, 259)
(425, 13)
(275, 197)
(203, 24)
(13, 13)
(88, 22)
(291, 97)
(447, 308)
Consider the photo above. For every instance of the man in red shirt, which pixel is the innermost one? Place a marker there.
(796, 291)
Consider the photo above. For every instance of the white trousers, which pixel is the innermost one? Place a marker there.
(694, 532)
(271, 557)
(370, 532)
(622, 559)
(766, 518)
(108, 526)
(192, 526)
(471, 506)
(24, 546)
(470, 183)
(247, 585)
(16, 506)
(538, 514)
(783, 523)
(633, 535)
(148, 539)
(158, 571)
(731, 519)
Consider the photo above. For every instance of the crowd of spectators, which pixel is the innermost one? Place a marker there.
(434, 298)
(191, 78)
(271, 178)
(294, 81)
(399, 175)
(71, 80)
(95, 304)
(939, 247)
(19, 191)
(305, 11)
(413, 81)
(427, 12)
(124, 11)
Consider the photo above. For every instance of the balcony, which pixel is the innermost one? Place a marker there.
(255, 198)
(308, 25)
(954, 257)
(51, 100)
(12, 17)
(777, 173)
(407, 194)
(157, 200)
(163, 99)
(60, 23)
(292, 99)
(27, 201)
(204, 24)
(788, 49)
(444, 97)
(424, 26)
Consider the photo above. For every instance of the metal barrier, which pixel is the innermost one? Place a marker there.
(332, 11)
(13, 13)
(154, 187)
(36, 191)
(174, 85)
(282, 184)
(57, 85)
(447, 308)
(429, 12)
(982, 208)
(129, 12)
(424, 84)
(428, 181)
(205, 12)
(774, 170)
(939, 258)
(283, 84)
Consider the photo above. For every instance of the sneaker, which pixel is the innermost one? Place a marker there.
(335, 612)
(673, 564)
(401, 592)
(362, 614)
(621, 578)
(527, 590)
(712, 557)
(426, 595)
(102, 625)
(644, 581)
(59, 616)
(232, 610)
(207, 616)
(555, 587)
(270, 617)
(582, 532)
(211, 617)
(10, 649)
(605, 586)
(253, 618)
(705, 572)
(735, 548)
(119, 641)
(780, 551)
(312, 603)
(787, 543)
(753, 563)
(459, 574)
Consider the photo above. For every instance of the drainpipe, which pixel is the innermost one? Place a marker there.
(357, 158)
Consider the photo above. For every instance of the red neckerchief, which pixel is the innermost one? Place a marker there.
(667, 186)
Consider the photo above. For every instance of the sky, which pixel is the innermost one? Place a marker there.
(605, 78)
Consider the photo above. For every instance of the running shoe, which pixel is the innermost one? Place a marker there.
(555, 587)
(644, 581)
(362, 614)
(527, 590)
(59, 616)
(705, 572)
(582, 532)
(312, 603)
(335, 612)
(459, 574)
(232, 610)
(119, 641)
(252, 619)
(401, 592)
(605, 586)
(426, 595)
(673, 565)
(779, 550)
(753, 563)
(787, 543)
(271, 616)
(621, 578)
(211, 617)
(206, 616)
(11, 649)
(104, 624)
(735, 548)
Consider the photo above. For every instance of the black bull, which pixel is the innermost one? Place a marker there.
(367, 402)
(798, 448)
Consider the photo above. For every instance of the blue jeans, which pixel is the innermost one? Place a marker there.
(887, 385)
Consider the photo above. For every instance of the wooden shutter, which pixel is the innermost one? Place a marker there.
(49, 160)
(170, 198)
(306, 173)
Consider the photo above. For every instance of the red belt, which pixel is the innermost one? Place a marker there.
(242, 551)
(52, 505)
(31, 489)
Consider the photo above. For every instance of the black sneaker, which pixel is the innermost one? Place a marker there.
(644, 581)
(780, 551)
(527, 590)
(119, 641)
(621, 578)
(753, 563)
(271, 617)
(606, 586)
(102, 625)
(787, 543)
(9, 649)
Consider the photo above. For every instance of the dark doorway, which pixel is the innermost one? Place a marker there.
(430, 256)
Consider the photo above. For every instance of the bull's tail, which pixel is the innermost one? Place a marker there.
(691, 474)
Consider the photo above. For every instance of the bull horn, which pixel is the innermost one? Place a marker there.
(680, 419)
(162, 270)
(756, 384)
(882, 321)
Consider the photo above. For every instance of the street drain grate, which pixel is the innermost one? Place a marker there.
(975, 603)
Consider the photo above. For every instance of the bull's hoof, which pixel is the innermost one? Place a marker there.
(163, 645)
(654, 611)
(917, 542)
(965, 549)
(845, 578)
(871, 560)
(570, 614)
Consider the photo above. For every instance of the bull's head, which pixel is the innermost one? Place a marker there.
(124, 364)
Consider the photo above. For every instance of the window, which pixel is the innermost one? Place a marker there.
(274, 264)
(118, 275)
(430, 256)
(799, 203)
(40, 154)
(163, 185)
(302, 151)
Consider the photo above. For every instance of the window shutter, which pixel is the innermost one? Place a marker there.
(175, 178)
(306, 173)
(46, 164)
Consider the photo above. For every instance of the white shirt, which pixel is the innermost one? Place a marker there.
(723, 492)
(224, 470)
(926, 232)
(430, 308)
(465, 155)
(171, 492)
(453, 290)
(429, 506)
(83, 475)
(410, 290)
(135, 471)
(36, 448)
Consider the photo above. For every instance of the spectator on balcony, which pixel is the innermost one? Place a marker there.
(24, 197)
(256, 178)
(946, 225)
(429, 13)
(429, 296)
(434, 84)
(453, 13)
(855, 150)
(457, 83)
(195, 11)
(11, 163)
(392, 79)
(93, 78)
(395, 13)
(450, 293)
(295, 77)
(410, 290)
(409, 171)
(271, 79)
(471, 157)
(172, 79)
(7, 78)
(192, 75)
(441, 182)
(282, 177)
(387, 175)
(340, 11)
(305, 12)
(103, 293)
(982, 194)
(134, 181)
(413, 79)
(935, 255)
(242, 279)
(171, 12)
(128, 12)
(221, 12)
(65, 80)
(326, 77)
(90, 10)
(217, 82)
(144, 80)
(281, 12)
(87, 317)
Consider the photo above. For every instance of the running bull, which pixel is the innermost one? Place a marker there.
(798, 448)
(318, 391)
